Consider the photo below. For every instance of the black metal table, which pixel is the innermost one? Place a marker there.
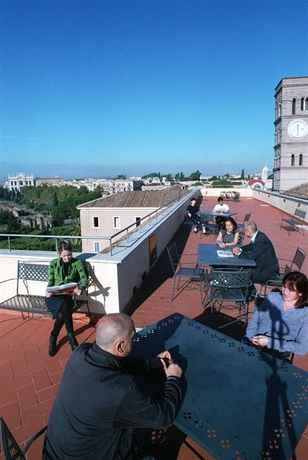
(217, 214)
(207, 255)
(240, 403)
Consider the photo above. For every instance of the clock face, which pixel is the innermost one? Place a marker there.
(297, 129)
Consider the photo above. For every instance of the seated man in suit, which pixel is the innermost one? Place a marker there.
(261, 250)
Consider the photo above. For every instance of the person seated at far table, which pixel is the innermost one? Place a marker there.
(262, 251)
(220, 208)
(228, 235)
(280, 325)
(193, 214)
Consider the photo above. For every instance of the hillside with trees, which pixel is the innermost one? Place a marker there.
(42, 211)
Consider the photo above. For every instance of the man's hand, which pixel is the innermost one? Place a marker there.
(236, 251)
(173, 370)
(170, 368)
(165, 358)
(48, 294)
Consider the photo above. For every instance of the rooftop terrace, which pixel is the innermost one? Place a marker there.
(30, 378)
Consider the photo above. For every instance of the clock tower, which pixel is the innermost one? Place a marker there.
(291, 133)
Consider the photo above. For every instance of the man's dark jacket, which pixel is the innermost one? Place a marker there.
(263, 253)
(100, 402)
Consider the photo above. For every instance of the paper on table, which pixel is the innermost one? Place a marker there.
(62, 289)
(227, 253)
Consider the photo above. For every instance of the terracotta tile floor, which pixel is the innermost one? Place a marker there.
(30, 378)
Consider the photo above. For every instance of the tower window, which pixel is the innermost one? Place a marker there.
(292, 160)
(304, 103)
(300, 161)
(293, 106)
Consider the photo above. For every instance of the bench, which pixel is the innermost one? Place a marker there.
(293, 224)
(27, 301)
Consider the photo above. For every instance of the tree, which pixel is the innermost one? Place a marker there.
(168, 177)
(222, 183)
(55, 200)
(179, 176)
(195, 176)
(76, 232)
(154, 174)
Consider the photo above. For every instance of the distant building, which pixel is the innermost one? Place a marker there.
(20, 180)
(108, 215)
(51, 182)
(291, 133)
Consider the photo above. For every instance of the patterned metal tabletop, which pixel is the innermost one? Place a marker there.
(240, 403)
(207, 255)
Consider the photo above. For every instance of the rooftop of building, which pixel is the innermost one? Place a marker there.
(30, 378)
(301, 191)
(137, 199)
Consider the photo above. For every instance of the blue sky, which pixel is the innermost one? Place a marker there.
(97, 88)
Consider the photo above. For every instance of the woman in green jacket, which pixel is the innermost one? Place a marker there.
(65, 269)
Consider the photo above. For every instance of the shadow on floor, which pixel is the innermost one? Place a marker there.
(161, 271)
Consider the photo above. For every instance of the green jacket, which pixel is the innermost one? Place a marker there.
(77, 273)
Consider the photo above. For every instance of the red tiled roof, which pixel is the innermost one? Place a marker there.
(301, 191)
(137, 199)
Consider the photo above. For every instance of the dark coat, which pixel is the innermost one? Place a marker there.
(263, 253)
(193, 210)
(100, 402)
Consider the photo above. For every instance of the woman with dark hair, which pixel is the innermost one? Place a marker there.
(65, 269)
(281, 321)
(228, 235)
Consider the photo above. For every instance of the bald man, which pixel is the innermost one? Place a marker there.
(104, 397)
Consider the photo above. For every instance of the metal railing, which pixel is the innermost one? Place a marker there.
(136, 229)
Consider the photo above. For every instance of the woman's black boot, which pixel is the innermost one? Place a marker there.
(73, 342)
(52, 345)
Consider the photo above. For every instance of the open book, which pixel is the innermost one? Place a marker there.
(63, 289)
(227, 253)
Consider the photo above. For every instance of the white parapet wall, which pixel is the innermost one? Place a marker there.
(243, 191)
(285, 203)
(117, 276)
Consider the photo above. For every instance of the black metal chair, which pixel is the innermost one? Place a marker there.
(241, 238)
(245, 220)
(209, 225)
(236, 196)
(230, 285)
(295, 264)
(11, 449)
(188, 223)
(190, 274)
